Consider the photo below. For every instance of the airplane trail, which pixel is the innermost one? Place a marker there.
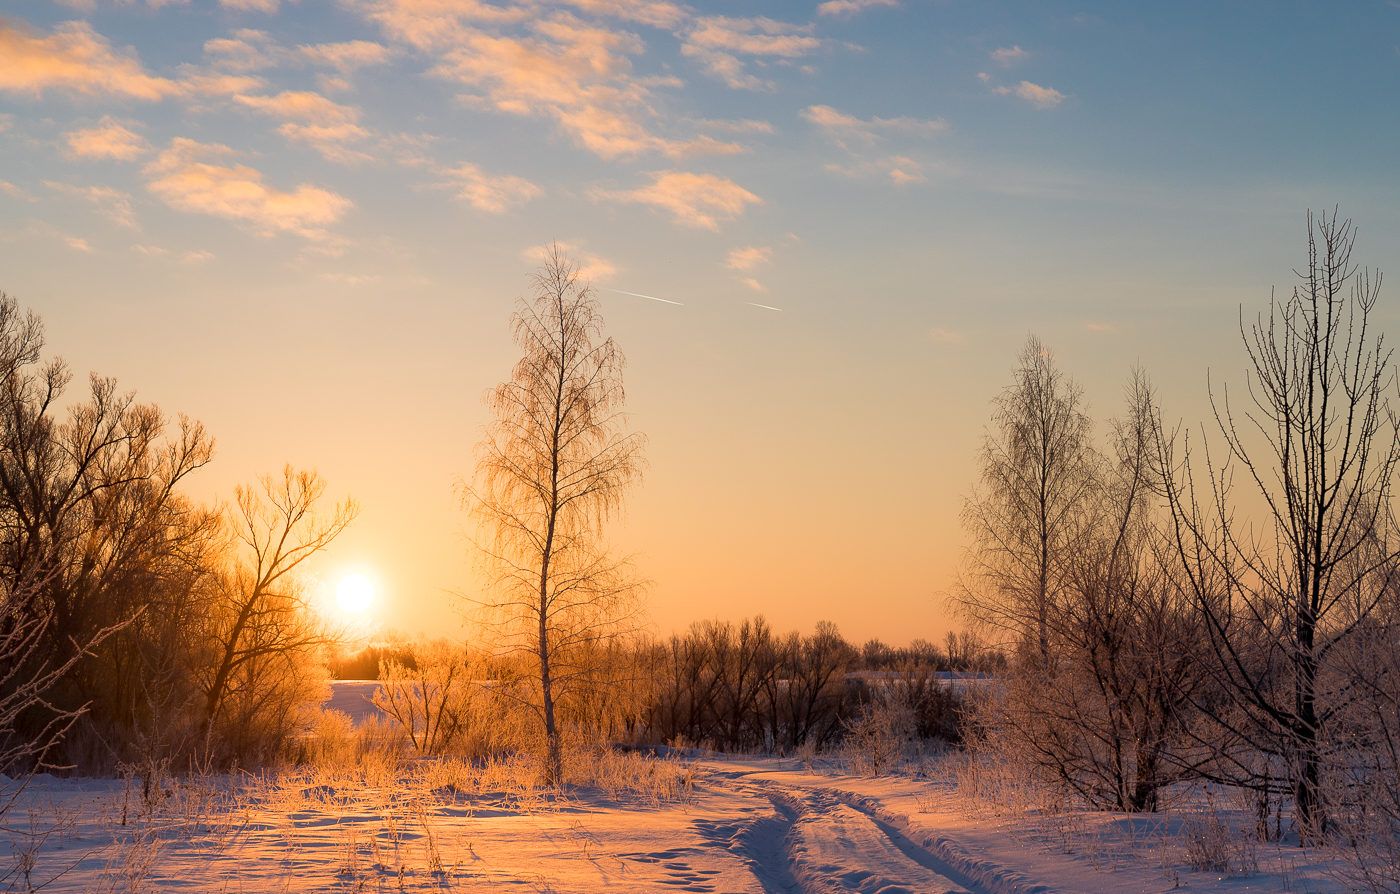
(764, 306)
(648, 297)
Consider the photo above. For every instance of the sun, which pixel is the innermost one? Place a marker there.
(354, 595)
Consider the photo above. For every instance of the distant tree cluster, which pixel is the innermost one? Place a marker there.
(136, 625)
(1218, 605)
(741, 687)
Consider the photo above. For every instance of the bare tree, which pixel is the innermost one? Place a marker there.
(1282, 599)
(1037, 471)
(1109, 723)
(554, 466)
(261, 618)
(89, 520)
(427, 695)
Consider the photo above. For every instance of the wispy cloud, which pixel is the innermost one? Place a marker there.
(492, 193)
(1008, 55)
(111, 203)
(591, 267)
(191, 256)
(944, 336)
(203, 178)
(109, 139)
(693, 200)
(718, 42)
(1040, 96)
(308, 117)
(656, 13)
(352, 280)
(845, 128)
(267, 6)
(244, 50)
(900, 170)
(851, 7)
(748, 257)
(345, 56)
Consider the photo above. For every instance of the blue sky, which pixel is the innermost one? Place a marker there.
(304, 223)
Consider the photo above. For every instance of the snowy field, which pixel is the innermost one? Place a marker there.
(765, 825)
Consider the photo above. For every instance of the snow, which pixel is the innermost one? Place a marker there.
(355, 699)
(741, 825)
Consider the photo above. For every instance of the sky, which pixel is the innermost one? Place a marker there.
(306, 224)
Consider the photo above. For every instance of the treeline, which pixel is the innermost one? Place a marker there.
(137, 625)
(728, 686)
(741, 687)
(1218, 606)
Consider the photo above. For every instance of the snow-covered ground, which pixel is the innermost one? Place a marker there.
(758, 825)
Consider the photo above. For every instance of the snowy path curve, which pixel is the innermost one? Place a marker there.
(823, 839)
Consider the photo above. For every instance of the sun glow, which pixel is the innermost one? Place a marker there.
(354, 595)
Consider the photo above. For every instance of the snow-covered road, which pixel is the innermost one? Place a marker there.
(765, 826)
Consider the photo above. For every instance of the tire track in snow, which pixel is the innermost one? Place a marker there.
(833, 845)
(762, 843)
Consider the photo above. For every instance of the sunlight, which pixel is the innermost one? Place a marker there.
(354, 595)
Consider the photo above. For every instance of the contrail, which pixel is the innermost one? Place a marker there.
(764, 306)
(648, 297)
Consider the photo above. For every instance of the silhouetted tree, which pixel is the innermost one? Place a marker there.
(1037, 474)
(259, 629)
(1283, 599)
(555, 464)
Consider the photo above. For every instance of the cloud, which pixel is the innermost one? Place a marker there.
(350, 279)
(851, 7)
(717, 42)
(200, 178)
(843, 127)
(590, 266)
(656, 13)
(753, 284)
(532, 62)
(1008, 55)
(111, 203)
(900, 170)
(345, 56)
(217, 83)
(736, 125)
(193, 256)
(492, 193)
(109, 139)
(308, 117)
(437, 24)
(77, 59)
(694, 200)
(579, 76)
(9, 189)
(748, 257)
(857, 135)
(1035, 94)
(77, 243)
(267, 6)
(246, 49)
(942, 336)
(1100, 327)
